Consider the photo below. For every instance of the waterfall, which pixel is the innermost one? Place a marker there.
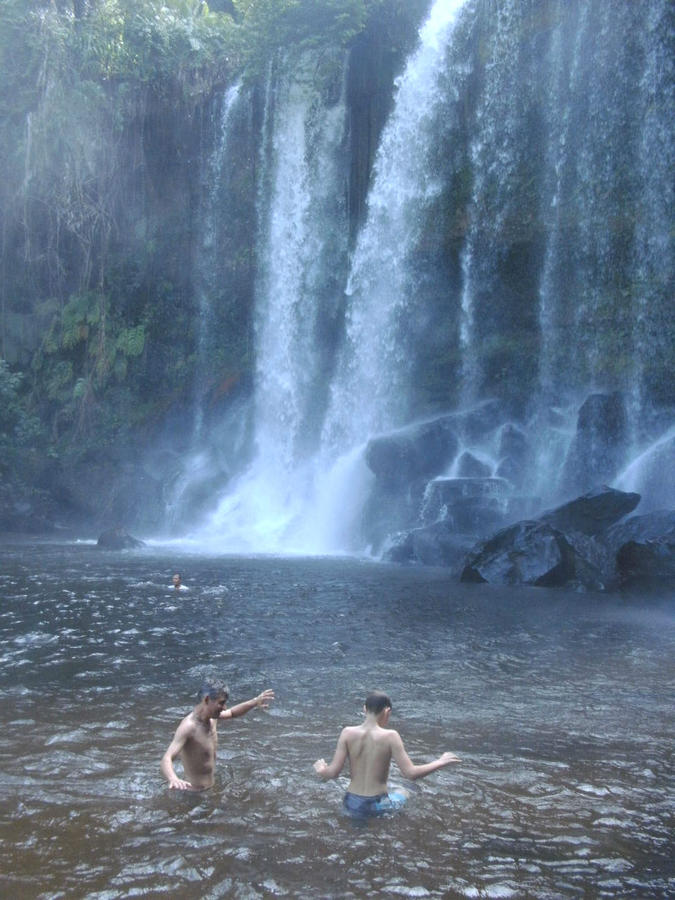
(370, 391)
(653, 259)
(515, 257)
(303, 243)
(608, 154)
(495, 154)
(214, 208)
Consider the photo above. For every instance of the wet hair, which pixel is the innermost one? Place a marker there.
(213, 690)
(376, 701)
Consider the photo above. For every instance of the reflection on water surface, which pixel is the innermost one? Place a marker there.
(560, 705)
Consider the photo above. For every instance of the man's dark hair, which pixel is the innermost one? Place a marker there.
(376, 701)
(213, 691)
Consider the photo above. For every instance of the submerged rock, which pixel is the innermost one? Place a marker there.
(432, 545)
(118, 539)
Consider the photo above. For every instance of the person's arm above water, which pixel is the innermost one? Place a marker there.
(262, 700)
(173, 750)
(326, 771)
(407, 766)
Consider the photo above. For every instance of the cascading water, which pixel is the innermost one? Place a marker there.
(517, 230)
(606, 200)
(653, 259)
(371, 390)
(206, 269)
(209, 457)
(303, 230)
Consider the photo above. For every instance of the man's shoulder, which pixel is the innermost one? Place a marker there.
(188, 724)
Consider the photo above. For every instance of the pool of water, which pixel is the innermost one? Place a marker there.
(560, 705)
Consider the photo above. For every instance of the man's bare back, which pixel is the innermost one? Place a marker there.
(370, 747)
(196, 738)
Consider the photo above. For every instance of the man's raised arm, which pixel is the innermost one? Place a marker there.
(262, 700)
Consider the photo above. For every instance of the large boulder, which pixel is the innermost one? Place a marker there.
(592, 513)
(647, 563)
(642, 549)
(657, 525)
(399, 458)
(598, 449)
(532, 553)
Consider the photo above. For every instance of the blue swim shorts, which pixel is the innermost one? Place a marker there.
(379, 805)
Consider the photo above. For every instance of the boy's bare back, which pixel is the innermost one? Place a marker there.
(369, 750)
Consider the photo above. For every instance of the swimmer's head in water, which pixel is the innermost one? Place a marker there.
(376, 702)
(214, 691)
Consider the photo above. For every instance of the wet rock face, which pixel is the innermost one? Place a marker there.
(516, 457)
(399, 458)
(593, 512)
(657, 525)
(469, 505)
(525, 553)
(646, 563)
(468, 466)
(481, 523)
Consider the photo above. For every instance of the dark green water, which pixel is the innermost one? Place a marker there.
(560, 705)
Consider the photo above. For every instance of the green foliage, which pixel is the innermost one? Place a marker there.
(88, 348)
(10, 404)
(20, 430)
(90, 92)
(131, 341)
(268, 26)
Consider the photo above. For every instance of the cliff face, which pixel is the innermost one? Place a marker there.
(104, 245)
(539, 267)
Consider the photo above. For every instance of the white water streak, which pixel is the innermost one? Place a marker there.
(370, 391)
(303, 171)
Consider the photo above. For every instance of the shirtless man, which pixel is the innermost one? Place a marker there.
(370, 748)
(196, 737)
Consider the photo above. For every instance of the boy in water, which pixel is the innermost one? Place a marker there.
(370, 748)
(196, 738)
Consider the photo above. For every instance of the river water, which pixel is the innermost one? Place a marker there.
(560, 706)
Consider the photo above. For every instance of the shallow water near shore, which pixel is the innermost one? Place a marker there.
(560, 705)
